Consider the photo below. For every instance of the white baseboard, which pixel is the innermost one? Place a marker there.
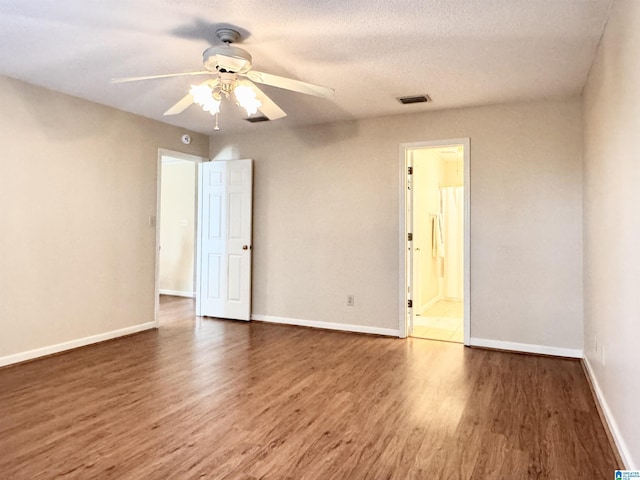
(430, 304)
(526, 348)
(327, 325)
(80, 342)
(611, 421)
(453, 299)
(177, 293)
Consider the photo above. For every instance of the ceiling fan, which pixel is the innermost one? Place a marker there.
(233, 77)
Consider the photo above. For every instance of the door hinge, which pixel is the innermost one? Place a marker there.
(410, 303)
(410, 170)
(410, 237)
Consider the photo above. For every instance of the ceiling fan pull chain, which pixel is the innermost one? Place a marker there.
(216, 128)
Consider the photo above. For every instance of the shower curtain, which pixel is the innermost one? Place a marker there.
(452, 211)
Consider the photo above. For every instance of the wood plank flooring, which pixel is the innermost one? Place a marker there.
(214, 399)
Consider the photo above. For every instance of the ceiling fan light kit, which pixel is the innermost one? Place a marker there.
(203, 96)
(234, 78)
(246, 98)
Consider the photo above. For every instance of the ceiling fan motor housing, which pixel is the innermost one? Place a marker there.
(226, 58)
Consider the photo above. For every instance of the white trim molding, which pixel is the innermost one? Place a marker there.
(178, 293)
(623, 449)
(344, 327)
(526, 348)
(71, 344)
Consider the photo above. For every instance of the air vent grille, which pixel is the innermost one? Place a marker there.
(414, 99)
(261, 118)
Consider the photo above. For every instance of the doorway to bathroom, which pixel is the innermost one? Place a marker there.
(436, 241)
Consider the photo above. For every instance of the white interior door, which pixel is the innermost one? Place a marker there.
(224, 233)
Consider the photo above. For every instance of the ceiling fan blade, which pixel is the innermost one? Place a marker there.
(290, 84)
(153, 77)
(268, 108)
(186, 101)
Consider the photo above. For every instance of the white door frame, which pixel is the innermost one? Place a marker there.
(405, 254)
(163, 152)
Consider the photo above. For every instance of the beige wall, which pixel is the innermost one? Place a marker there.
(612, 223)
(77, 187)
(326, 218)
(177, 226)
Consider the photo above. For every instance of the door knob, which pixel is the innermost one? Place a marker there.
(245, 247)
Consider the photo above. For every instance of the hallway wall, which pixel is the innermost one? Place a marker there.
(177, 227)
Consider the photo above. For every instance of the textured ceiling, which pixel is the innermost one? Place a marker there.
(460, 52)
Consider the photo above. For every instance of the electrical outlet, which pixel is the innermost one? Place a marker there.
(351, 300)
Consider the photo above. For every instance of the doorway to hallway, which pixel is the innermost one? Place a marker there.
(176, 223)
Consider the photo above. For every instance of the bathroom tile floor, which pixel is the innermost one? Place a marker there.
(443, 321)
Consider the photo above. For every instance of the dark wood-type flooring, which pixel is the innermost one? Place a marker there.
(215, 399)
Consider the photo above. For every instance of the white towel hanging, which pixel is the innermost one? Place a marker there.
(437, 238)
